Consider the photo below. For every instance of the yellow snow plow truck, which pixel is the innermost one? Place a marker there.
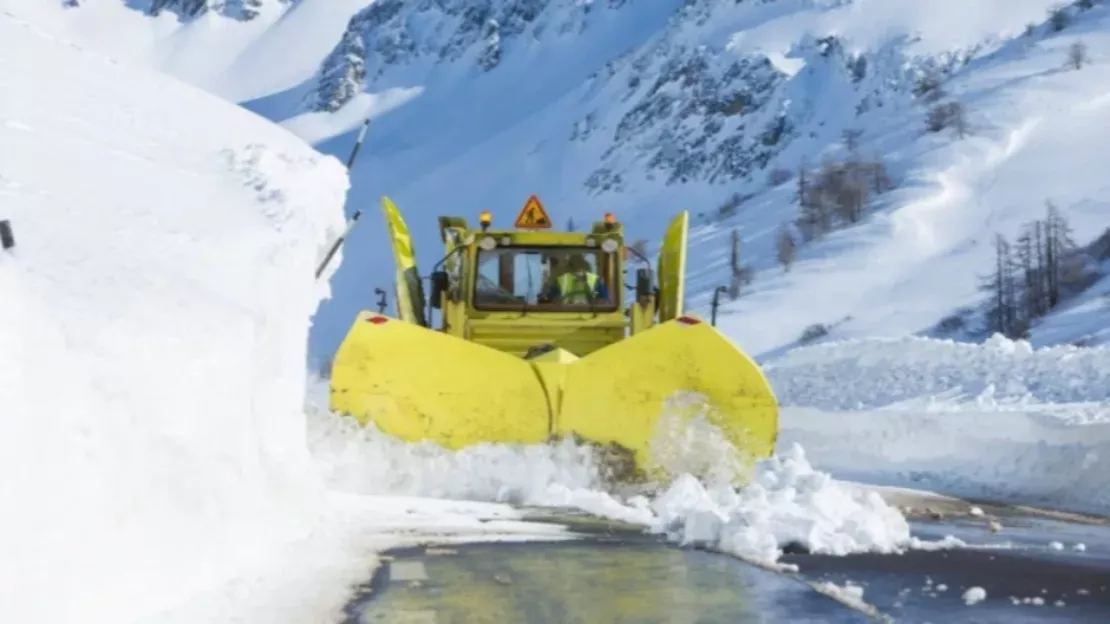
(540, 337)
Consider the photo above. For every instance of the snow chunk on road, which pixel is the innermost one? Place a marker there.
(974, 595)
(153, 320)
(849, 593)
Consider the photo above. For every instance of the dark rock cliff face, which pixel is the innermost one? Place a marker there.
(682, 111)
(695, 115)
(237, 9)
(689, 108)
(684, 107)
(392, 33)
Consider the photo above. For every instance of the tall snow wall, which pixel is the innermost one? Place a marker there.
(153, 323)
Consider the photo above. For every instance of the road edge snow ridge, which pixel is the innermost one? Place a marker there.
(999, 374)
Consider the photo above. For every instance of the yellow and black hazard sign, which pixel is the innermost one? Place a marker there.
(532, 216)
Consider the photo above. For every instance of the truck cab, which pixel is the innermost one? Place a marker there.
(531, 289)
(519, 291)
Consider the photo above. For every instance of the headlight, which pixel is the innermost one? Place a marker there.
(469, 240)
(609, 245)
(506, 240)
(488, 243)
(590, 242)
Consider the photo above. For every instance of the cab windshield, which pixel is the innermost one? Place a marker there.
(545, 279)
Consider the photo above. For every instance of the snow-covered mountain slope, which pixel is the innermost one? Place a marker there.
(153, 321)
(237, 49)
(1084, 320)
(644, 109)
(709, 98)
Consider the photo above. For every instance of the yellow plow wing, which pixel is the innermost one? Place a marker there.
(633, 393)
(410, 290)
(672, 268)
(418, 384)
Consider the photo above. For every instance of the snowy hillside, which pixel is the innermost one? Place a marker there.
(647, 108)
(696, 103)
(153, 318)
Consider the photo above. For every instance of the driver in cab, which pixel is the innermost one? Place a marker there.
(578, 284)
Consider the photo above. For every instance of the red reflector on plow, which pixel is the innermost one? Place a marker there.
(688, 320)
(377, 320)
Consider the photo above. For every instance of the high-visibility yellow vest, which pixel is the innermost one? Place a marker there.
(571, 288)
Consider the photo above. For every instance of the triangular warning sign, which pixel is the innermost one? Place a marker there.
(532, 216)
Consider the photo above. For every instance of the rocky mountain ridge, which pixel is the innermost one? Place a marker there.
(685, 107)
(242, 10)
(393, 33)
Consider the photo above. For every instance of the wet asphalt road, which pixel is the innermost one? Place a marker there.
(619, 576)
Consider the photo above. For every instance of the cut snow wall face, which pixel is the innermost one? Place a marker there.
(153, 323)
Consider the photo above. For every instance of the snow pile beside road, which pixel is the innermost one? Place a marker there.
(999, 420)
(153, 319)
(1029, 458)
(881, 373)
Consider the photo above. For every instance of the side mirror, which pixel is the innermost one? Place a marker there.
(644, 289)
(440, 283)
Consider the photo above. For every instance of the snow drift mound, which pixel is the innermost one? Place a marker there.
(999, 420)
(877, 373)
(1028, 458)
(153, 320)
(788, 503)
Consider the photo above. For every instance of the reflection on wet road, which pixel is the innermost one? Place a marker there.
(589, 582)
(618, 576)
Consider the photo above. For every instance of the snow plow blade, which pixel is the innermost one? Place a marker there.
(644, 393)
(546, 334)
(421, 385)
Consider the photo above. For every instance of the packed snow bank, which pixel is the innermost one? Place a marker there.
(153, 320)
(913, 373)
(1029, 458)
(999, 420)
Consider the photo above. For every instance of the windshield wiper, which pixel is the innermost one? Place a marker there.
(590, 297)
